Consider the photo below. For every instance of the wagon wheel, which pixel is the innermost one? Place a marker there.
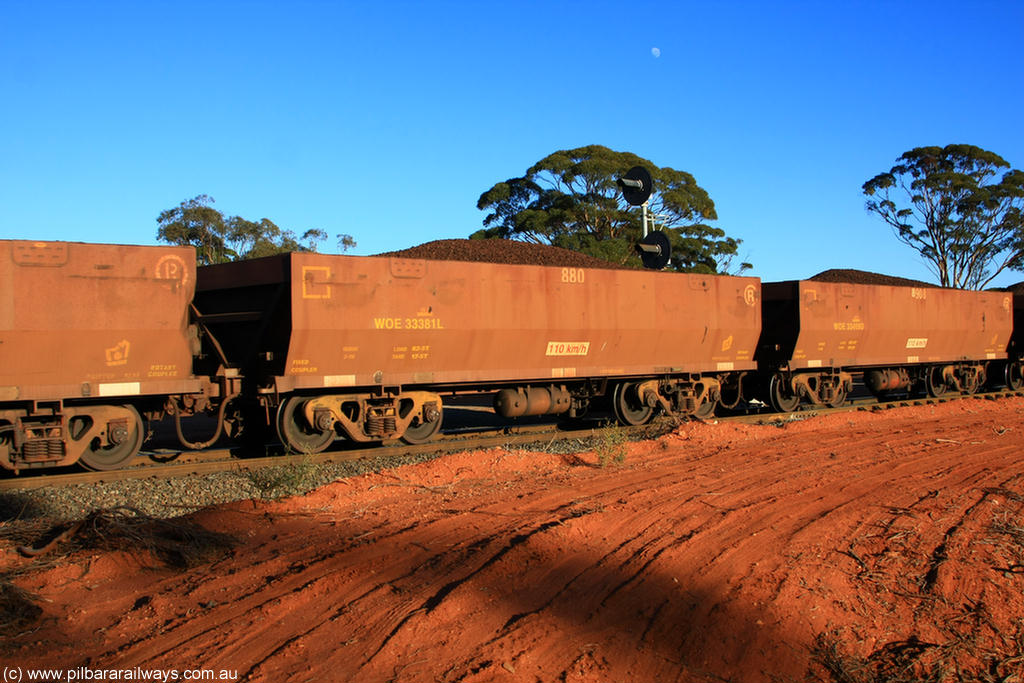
(838, 397)
(706, 409)
(424, 430)
(1014, 376)
(296, 433)
(125, 442)
(971, 382)
(781, 395)
(628, 407)
(934, 382)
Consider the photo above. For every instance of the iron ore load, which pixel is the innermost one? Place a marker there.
(308, 349)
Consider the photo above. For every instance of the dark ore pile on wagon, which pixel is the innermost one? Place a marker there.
(502, 251)
(529, 254)
(863, 277)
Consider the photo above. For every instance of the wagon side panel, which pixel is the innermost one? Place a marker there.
(365, 321)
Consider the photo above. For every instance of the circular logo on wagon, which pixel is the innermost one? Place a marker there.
(171, 267)
(750, 295)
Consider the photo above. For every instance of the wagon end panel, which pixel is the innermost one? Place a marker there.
(91, 320)
(244, 309)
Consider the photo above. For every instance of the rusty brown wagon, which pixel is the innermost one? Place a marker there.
(92, 337)
(367, 348)
(817, 333)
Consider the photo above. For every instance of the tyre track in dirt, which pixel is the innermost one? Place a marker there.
(716, 552)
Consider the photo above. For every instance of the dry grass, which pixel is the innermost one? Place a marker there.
(610, 445)
(280, 481)
(176, 542)
(958, 660)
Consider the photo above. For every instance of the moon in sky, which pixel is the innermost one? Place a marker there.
(656, 52)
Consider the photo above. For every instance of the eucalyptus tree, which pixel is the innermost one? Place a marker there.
(959, 206)
(571, 199)
(218, 238)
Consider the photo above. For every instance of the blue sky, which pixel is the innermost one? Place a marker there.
(388, 120)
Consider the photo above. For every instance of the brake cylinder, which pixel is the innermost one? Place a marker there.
(524, 401)
(878, 381)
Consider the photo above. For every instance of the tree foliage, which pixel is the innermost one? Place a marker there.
(219, 238)
(953, 206)
(570, 199)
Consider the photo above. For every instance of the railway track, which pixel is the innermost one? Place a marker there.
(166, 464)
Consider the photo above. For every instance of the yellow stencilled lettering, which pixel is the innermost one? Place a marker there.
(851, 326)
(99, 377)
(387, 323)
(158, 370)
(919, 293)
(349, 352)
(917, 342)
(420, 352)
(316, 282)
(423, 324)
(171, 268)
(567, 348)
(302, 366)
(573, 276)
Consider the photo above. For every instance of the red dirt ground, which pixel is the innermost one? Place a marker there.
(716, 553)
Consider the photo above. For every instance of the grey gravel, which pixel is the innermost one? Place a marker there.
(23, 513)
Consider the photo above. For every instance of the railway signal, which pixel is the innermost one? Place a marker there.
(654, 248)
